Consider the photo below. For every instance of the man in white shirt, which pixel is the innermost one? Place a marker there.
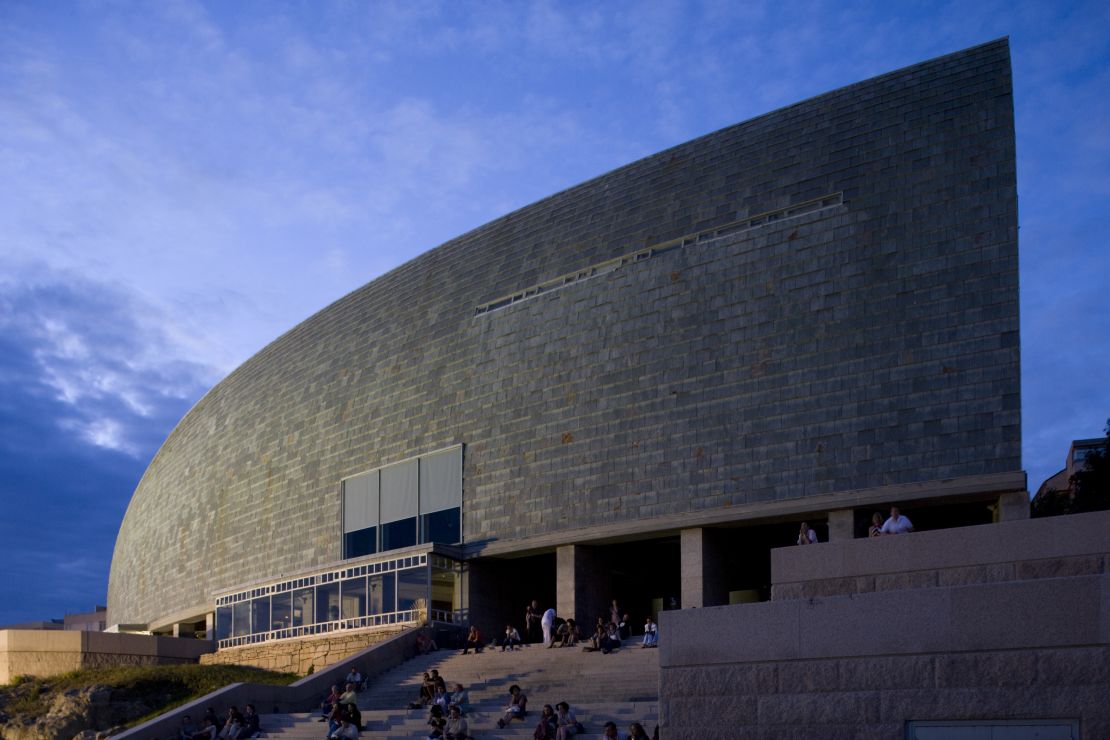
(896, 524)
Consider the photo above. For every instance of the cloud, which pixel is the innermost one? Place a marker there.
(89, 387)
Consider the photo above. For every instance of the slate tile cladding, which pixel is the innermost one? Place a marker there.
(868, 344)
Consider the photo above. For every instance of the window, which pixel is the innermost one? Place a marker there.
(442, 526)
(260, 615)
(412, 589)
(303, 611)
(418, 500)
(327, 603)
(353, 602)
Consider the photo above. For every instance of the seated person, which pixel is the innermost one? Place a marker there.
(566, 724)
(425, 644)
(460, 698)
(354, 677)
(651, 634)
(545, 730)
(207, 730)
(234, 723)
(351, 713)
(188, 728)
(568, 634)
(611, 640)
(329, 702)
(625, 627)
(348, 696)
(636, 732)
(250, 726)
(439, 696)
(473, 640)
(437, 724)
(609, 732)
(600, 631)
(346, 731)
(512, 637)
(456, 727)
(518, 706)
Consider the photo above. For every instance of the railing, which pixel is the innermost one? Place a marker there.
(372, 620)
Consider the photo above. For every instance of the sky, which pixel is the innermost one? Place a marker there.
(181, 182)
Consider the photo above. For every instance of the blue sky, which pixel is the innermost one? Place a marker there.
(181, 182)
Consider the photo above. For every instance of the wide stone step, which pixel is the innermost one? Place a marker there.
(627, 680)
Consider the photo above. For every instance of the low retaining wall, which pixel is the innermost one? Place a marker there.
(44, 653)
(989, 553)
(299, 696)
(1035, 645)
(301, 655)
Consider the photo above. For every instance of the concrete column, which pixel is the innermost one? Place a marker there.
(842, 525)
(210, 626)
(583, 586)
(177, 630)
(703, 576)
(1011, 506)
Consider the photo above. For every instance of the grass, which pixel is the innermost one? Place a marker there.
(159, 687)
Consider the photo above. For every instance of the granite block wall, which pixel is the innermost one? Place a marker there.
(871, 341)
(301, 656)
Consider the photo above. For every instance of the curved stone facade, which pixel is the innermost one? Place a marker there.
(839, 313)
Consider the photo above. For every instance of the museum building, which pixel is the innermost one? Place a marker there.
(633, 389)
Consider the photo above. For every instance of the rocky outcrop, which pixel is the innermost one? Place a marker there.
(89, 713)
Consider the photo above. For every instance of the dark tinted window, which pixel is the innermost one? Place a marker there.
(442, 526)
(362, 542)
(399, 534)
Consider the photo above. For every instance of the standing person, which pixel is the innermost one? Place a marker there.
(532, 622)
(896, 524)
(651, 634)
(614, 613)
(806, 536)
(876, 527)
(546, 621)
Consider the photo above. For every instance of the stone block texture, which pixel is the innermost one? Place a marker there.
(301, 656)
(870, 342)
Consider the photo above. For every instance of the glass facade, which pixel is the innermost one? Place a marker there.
(389, 591)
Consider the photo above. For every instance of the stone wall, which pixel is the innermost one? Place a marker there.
(989, 553)
(300, 655)
(986, 640)
(44, 653)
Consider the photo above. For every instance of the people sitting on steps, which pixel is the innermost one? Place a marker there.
(517, 709)
(511, 638)
(473, 640)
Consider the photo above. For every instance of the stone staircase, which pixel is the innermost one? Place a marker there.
(622, 686)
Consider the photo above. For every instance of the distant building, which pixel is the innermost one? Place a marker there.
(94, 621)
(1077, 454)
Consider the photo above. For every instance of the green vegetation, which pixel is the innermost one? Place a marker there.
(158, 688)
